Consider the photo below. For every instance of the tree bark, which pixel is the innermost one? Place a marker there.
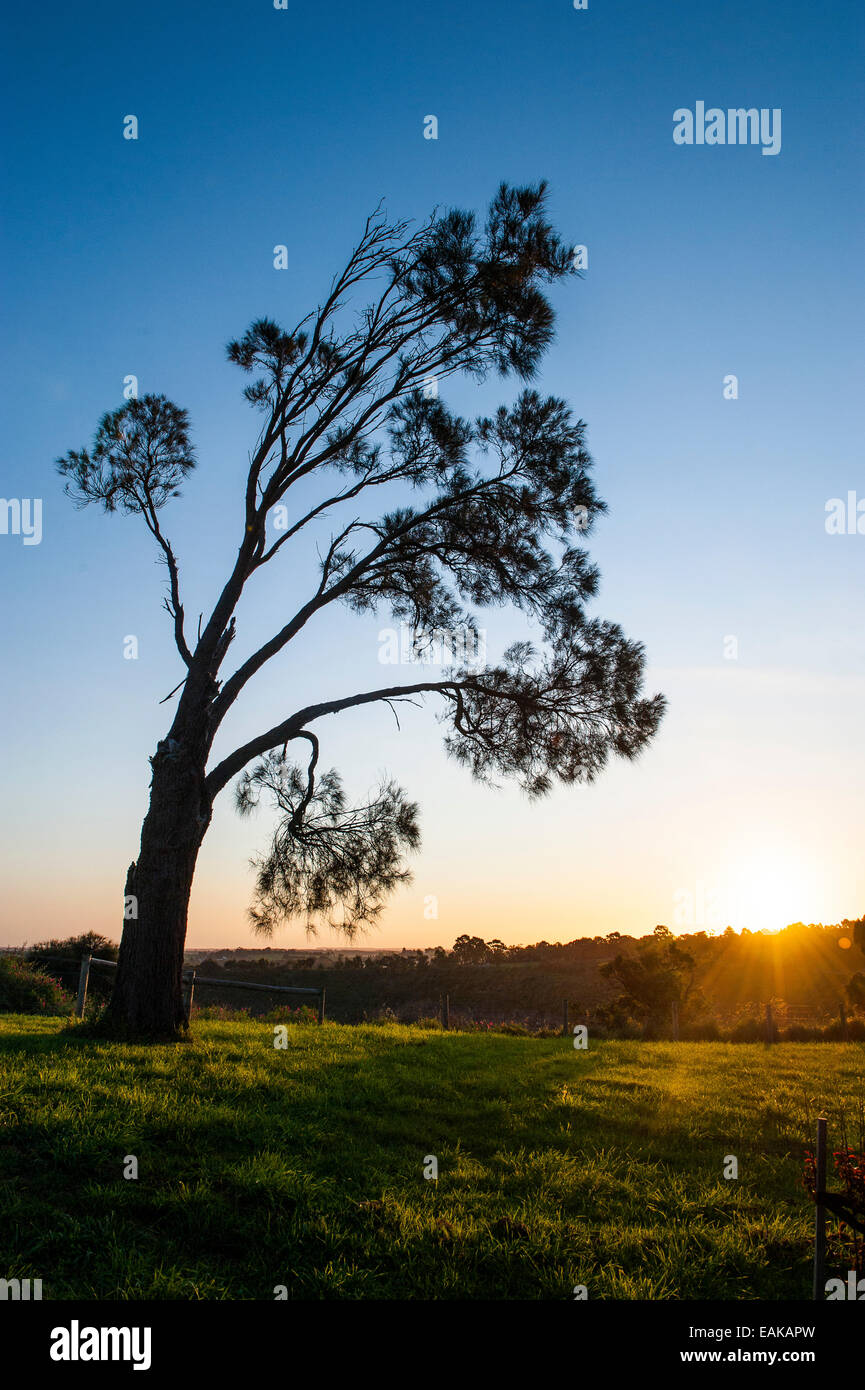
(147, 1000)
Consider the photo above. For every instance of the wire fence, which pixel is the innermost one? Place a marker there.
(75, 976)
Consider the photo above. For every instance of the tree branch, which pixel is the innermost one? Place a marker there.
(244, 673)
(293, 727)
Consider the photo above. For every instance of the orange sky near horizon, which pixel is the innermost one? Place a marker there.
(698, 834)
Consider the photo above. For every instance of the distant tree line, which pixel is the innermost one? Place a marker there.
(626, 985)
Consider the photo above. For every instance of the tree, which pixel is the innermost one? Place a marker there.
(505, 501)
(470, 950)
(659, 974)
(63, 956)
(73, 948)
(855, 991)
(855, 987)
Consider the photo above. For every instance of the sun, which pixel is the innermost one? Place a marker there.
(766, 890)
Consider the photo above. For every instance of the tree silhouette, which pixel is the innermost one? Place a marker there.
(658, 974)
(855, 988)
(470, 950)
(505, 503)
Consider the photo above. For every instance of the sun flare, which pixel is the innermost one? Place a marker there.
(765, 891)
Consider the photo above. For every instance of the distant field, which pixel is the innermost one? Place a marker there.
(304, 1167)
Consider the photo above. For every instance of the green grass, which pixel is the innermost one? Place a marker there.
(304, 1167)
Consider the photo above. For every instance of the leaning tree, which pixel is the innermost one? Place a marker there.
(501, 504)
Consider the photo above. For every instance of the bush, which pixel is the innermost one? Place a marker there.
(74, 948)
(26, 989)
(835, 1033)
(611, 1023)
(382, 1015)
(749, 1030)
(706, 1030)
(63, 956)
(799, 1032)
(846, 1241)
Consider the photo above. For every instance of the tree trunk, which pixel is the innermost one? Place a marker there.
(148, 994)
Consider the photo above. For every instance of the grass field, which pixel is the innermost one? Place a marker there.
(303, 1167)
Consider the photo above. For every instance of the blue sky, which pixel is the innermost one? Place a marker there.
(260, 127)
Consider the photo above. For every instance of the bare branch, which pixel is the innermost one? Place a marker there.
(291, 728)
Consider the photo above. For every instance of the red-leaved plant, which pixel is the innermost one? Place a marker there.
(846, 1236)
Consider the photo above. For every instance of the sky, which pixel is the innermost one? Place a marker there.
(260, 127)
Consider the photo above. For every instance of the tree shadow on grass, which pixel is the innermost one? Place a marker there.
(83, 1036)
(305, 1166)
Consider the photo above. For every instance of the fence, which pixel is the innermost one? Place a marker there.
(445, 1013)
(192, 979)
(769, 1021)
(772, 1019)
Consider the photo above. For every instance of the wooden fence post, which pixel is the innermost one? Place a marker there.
(564, 1018)
(770, 1028)
(83, 977)
(445, 1011)
(675, 1012)
(820, 1218)
(189, 995)
(321, 1006)
(844, 1030)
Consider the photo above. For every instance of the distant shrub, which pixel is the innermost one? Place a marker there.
(798, 1032)
(382, 1015)
(749, 1030)
(706, 1030)
(27, 989)
(63, 957)
(835, 1033)
(856, 992)
(601, 1026)
(74, 947)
